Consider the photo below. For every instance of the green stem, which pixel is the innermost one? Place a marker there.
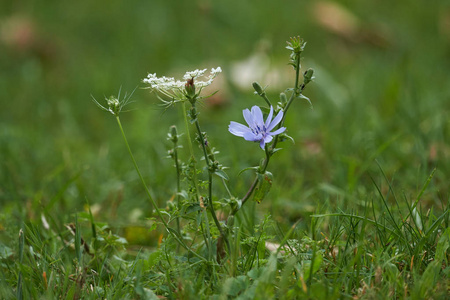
(255, 182)
(150, 196)
(177, 166)
(264, 96)
(297, 91)
(208, 164)
(227, 188)
(191, 150)
(200, 134)
(188, 135)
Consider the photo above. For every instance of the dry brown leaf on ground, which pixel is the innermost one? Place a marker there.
(339, 20)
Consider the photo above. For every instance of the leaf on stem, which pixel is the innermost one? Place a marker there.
(246, 169)
(221, 174)
(284, 137)
(301, 96)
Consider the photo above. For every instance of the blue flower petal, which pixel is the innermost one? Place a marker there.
(275, 121)
(269, 117)
(238, 129)
(248, 117)
(268, 139)
(278, 131)
(261, 144)
(257, 115)
(250, 136)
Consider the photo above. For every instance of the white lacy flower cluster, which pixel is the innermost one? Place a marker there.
(198, 73)
(170, 87)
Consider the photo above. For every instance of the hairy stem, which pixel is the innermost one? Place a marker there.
(177, 167)
(206, 237)
(208, 164)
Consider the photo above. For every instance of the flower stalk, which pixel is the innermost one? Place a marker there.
(210, 182)
(173, 136)
(207, 235)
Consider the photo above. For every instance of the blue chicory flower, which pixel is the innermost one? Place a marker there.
(258, 130)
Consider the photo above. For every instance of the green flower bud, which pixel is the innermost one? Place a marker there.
(190, 88)
(259, 90)
(173, 134)
(308, 76)
(283, 98)
(296, 45)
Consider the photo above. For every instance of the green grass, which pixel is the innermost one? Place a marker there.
(360, 201)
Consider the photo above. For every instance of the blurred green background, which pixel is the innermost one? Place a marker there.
(381, 93)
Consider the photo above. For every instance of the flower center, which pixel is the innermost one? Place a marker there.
(258, 130)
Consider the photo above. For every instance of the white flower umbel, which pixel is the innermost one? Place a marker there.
(177, 90)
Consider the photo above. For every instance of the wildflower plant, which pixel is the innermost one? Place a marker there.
(191, 220)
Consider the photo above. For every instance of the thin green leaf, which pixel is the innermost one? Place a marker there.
(246, 169)
(221, 173)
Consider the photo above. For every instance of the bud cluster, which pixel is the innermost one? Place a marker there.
(113, 104)
(296, 45)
